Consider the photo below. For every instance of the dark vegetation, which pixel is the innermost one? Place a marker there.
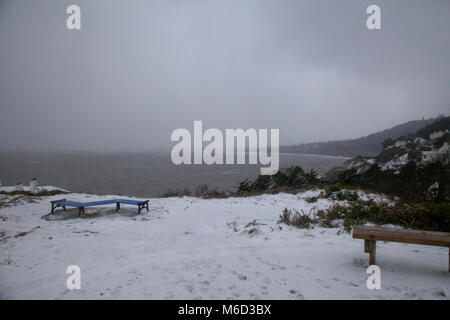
(296, 219)
(442, 123)
(202, 191)
(291, 179)
(412, 182)
(425, 215)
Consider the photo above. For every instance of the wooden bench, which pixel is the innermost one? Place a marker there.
(372, 234)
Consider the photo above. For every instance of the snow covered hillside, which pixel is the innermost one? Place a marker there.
(429, 144)
(190, 248)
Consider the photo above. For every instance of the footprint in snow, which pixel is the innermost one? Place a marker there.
(239, 276)
(322, 283)
(393, 288)
(352, 284)
(254, 296)
(297, 294)
(242, 277)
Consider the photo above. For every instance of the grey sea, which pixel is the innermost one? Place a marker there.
(144, 174)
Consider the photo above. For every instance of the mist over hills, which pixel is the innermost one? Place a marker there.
(368, 146)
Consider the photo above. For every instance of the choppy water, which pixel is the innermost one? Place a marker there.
(135, 174)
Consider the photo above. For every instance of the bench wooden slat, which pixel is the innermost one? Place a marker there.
(432, 238)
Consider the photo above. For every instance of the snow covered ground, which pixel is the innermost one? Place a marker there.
(189, 248)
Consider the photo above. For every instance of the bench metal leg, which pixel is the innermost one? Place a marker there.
(117, 207)
(142, 205)
(80, 210)
(54, 206)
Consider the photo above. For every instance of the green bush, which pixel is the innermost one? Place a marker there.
(440, 124)
(262, 183)
(245, 186)
(412, 182)
(345, 195)
(285, 180)
(422, 216)
(311, 199)
(339, 192)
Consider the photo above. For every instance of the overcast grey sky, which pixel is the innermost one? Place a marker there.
(137, 70)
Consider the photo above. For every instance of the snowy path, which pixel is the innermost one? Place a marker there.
(188, 248)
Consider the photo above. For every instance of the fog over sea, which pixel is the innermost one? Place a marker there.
(144, 174)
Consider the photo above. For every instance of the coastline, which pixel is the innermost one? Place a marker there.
(316, 155)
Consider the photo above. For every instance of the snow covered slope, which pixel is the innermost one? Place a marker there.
(189, 248)
(429, 144)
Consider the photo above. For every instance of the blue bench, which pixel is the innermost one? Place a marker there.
(63, 203)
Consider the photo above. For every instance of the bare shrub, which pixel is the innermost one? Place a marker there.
(172, 192)
(211, 194)
(201, 189)
(296, 219)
